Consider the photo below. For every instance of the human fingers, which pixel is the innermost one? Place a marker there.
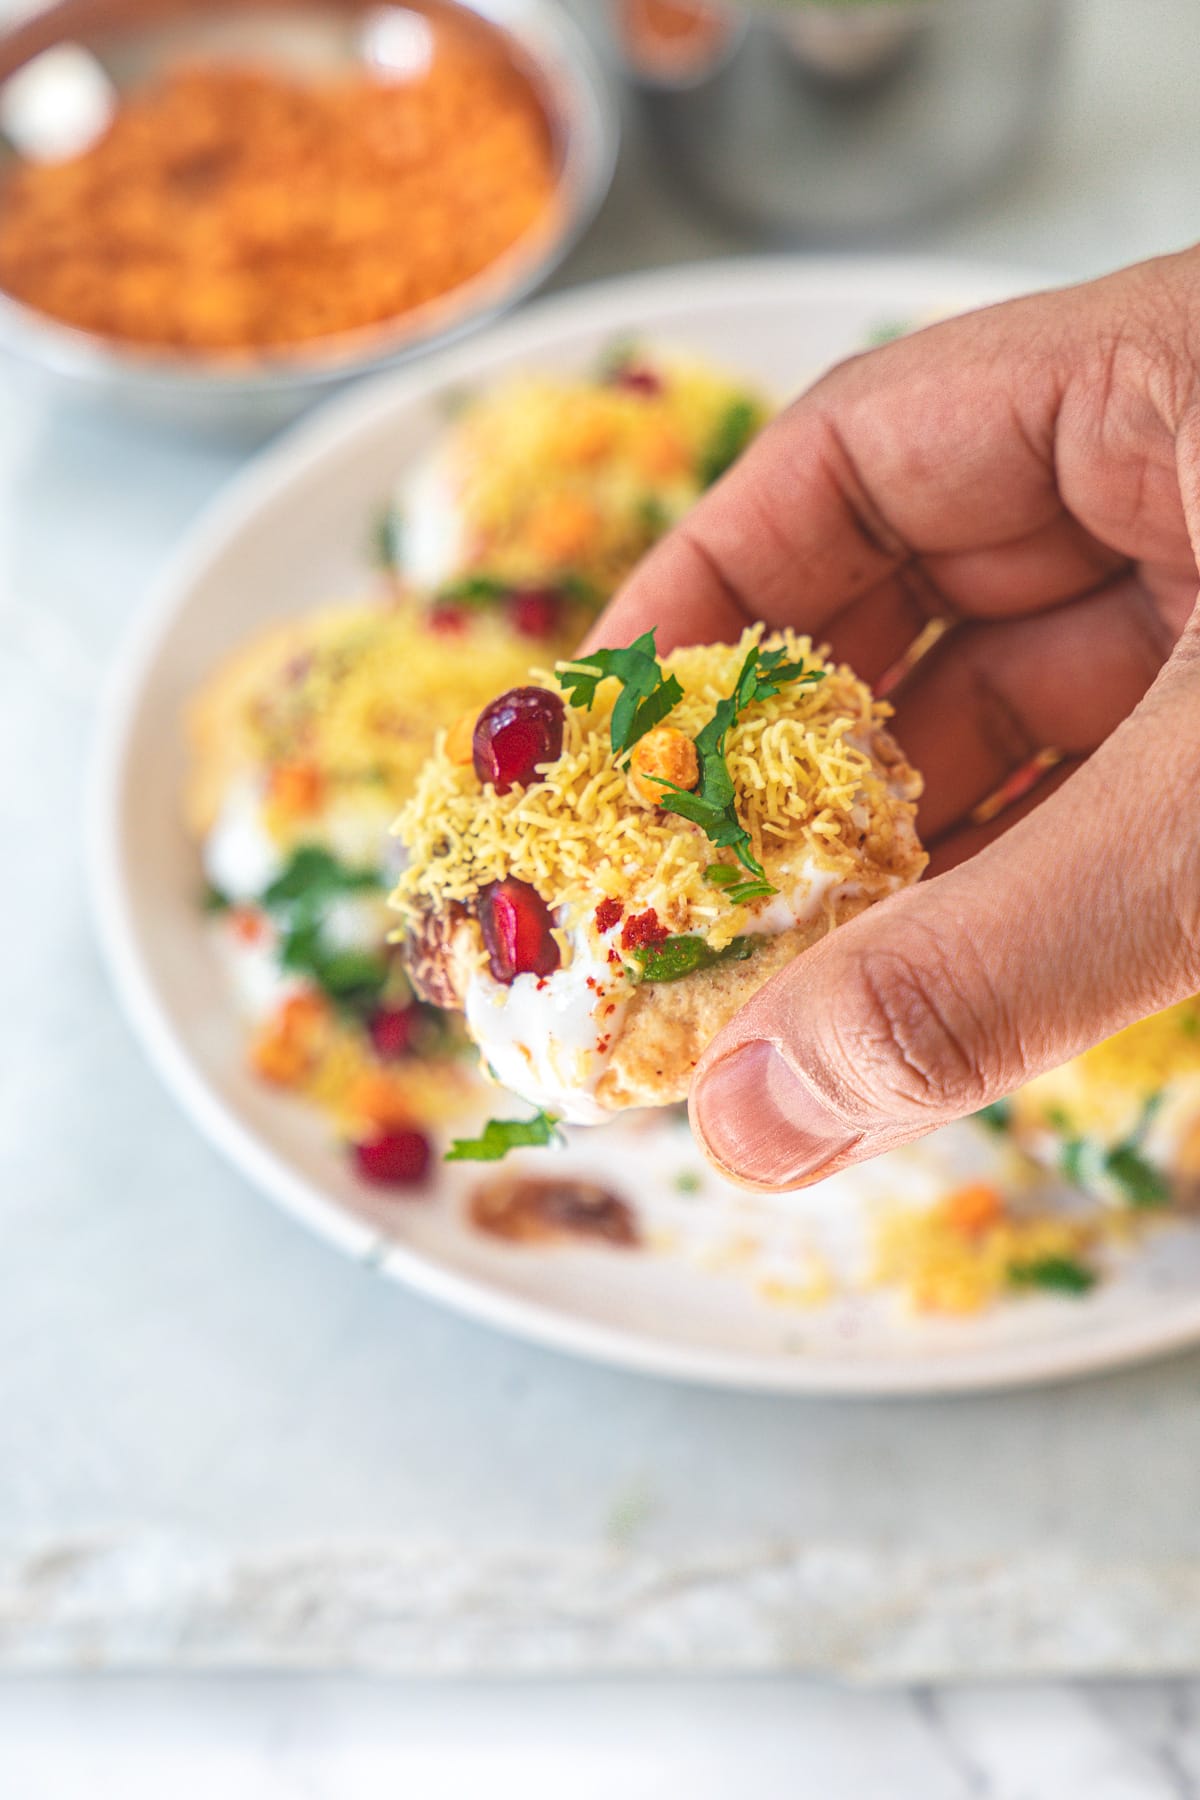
(1081, 918)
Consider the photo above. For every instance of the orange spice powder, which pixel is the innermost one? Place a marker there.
(228, 208)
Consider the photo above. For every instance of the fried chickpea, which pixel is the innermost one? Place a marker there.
(663, 755)
(460, 740)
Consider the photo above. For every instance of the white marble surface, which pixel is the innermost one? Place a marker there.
(221, 1445)
(340, 1740)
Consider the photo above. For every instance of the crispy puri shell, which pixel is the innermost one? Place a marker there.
(669, 1025)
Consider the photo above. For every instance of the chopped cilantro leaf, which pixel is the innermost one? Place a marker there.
(1057, 1274)
(712, 804)
(647, 695)
(313, 874)
(354, 978)
(214, 901)
(887, 331)
(676, 957)
(1139, 1181)
(1070, 1161)
(737, 888)
(499, 1136)
(733, 432)
(997, 1117)
(475, 590)
(688, 1182)
(652, 515)
(298, 897)
(578, 587)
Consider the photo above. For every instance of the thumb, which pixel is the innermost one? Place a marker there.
(1080, 919)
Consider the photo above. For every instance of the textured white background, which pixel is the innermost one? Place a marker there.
(186, 1380)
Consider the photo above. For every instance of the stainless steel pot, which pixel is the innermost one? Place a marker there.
(839, 119)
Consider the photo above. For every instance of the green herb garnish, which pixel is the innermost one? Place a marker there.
(354, 978)
(1070, 1160)
(733, 432)
(298, 897)
(712, 804)
(653, 516)
(212, 900)
(499, 1136)
(314, 874)
(1083, 1162)
(676, 957)
(1057, 1274)
(736, 887)
(997, 1117)
(647, 695)
(1139, 1181)
(475, 590)
(886, 331)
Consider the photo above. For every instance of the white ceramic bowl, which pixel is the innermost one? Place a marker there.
(291, 532)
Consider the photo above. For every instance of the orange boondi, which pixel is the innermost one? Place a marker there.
(228, 209)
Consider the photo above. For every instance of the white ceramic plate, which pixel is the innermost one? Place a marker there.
(290, 533)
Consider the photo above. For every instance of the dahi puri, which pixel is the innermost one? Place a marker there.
(1123, 1119)
(604, 864)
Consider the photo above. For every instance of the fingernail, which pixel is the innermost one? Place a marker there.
(762, 1123)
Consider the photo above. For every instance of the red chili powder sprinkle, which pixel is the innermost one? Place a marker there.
(608, 914)
(643, 929)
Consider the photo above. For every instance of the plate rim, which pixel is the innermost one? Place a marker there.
(323, 434)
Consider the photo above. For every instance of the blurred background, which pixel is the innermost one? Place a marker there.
(267, 1521)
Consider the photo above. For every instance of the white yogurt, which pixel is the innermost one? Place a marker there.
(259, 982)
(805, 900)
(549, 1038)
(433, 542)
(240, 857)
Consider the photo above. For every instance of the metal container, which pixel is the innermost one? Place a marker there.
(122, 43)
(838, 120)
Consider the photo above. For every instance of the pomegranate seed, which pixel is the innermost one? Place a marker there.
(515, 733)
(534, 612)
(636, 378)
(516, 924)
(391, 1031)
(447, 619)
(395, 1158)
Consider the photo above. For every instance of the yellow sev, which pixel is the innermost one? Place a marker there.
(809, 791)
(1102, 1093)
(556, 475)
(350, 698)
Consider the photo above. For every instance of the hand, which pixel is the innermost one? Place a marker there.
(1031, 475)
